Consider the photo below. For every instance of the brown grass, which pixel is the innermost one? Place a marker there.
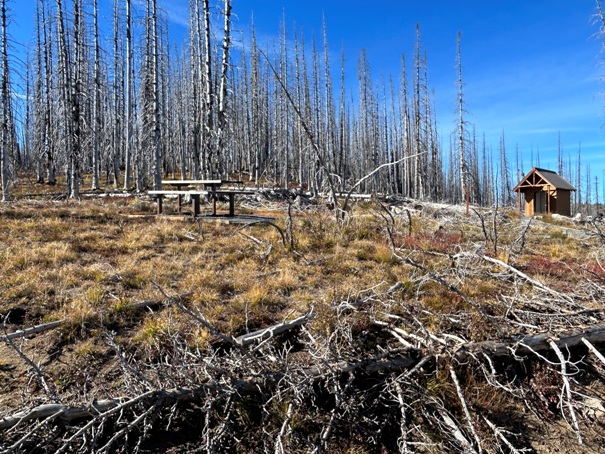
(68, 259)
(87, 262)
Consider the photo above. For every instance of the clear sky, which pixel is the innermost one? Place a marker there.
(531, 68)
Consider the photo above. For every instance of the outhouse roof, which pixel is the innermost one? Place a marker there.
(545, 177)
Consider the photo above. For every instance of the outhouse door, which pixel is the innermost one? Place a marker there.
(540, 202)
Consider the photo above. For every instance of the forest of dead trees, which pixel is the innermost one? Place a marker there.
(110, 94)
(409, 328)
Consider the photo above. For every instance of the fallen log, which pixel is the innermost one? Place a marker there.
(393, 360)
(168, 397)
(267, 333)
(104, 407)
(64, 412)
(533, 343)
(33, 330)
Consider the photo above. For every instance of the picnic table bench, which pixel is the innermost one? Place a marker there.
(212, 188)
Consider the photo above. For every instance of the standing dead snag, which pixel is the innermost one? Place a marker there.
(207, 93)
(6, 111)
(461, 138)
(70, 81)
(153, 92)
(222, 94)
(96, 146)
(309, 133)
(129, 99)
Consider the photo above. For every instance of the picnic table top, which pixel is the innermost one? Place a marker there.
(176, 191)
(188, 182)
(200, 192)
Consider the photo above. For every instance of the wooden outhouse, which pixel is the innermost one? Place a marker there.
(546, 192)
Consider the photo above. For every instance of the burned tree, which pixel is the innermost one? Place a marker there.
(7, 139)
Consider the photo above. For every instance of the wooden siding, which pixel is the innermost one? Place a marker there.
(545, 192)
(547, 200)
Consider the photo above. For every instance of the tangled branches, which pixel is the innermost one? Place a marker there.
(379, 376)
(429, 363)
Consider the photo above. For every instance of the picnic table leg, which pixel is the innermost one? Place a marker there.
(195, 201)
(214, 197)
(231, 204)
(159, 199)
(179, 200)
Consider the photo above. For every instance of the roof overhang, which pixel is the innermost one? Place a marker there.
(540, 178)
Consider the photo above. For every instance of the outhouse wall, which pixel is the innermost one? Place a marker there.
(564, 202)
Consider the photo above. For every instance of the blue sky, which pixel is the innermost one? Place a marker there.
(531, 67)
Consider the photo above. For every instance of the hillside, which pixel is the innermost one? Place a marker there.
(406, 327)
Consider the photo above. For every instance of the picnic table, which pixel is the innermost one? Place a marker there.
(211, 188)
(180, 184)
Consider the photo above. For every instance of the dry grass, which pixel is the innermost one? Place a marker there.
(73, 260)
(87, 262)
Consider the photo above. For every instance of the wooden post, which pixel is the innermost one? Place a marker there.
(195, 201)
(467, 190)
(231, 204)
(159, 204)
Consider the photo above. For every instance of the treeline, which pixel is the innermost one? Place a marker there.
(126, 105)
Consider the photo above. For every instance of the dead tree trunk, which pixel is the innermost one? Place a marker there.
(153, 50)
(5, 102)
(67, 99)
(222, 100)
(461, 128)
(96, 109)
(129, 99)
(208, 97)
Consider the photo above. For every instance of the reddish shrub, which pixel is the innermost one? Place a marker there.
(546, 266)
(439, 242)
(594, 267)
